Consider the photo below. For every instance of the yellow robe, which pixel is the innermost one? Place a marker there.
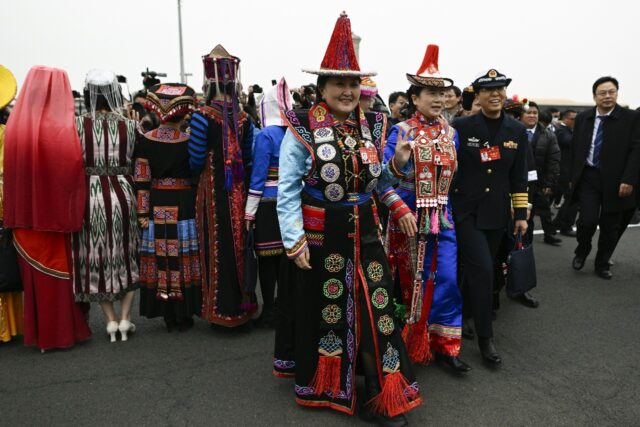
(11, 317)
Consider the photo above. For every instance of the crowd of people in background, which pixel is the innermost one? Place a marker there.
(376, 233)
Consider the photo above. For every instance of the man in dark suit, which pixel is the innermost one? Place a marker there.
(566, 216)
(491, 180)
(547, 163)
(604, 172)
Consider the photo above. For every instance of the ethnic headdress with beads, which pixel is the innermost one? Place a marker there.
(428, 74)
(340, 58)
(516, 106)
(170, 100)
(222, 73)
(368, 87)
(103, 83)
(220, 65)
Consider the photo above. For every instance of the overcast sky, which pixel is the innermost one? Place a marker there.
(551, 49)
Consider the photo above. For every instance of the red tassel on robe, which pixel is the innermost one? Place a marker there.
(395, 398)
(327, 376)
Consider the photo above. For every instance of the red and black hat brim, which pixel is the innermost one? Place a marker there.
(432, 82)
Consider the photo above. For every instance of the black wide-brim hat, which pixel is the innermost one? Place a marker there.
(493, 78)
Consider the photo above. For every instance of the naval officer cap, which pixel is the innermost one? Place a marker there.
(492, 78)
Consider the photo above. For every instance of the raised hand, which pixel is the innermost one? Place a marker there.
(404, 148)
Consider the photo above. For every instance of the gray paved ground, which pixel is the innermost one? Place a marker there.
(573, 361)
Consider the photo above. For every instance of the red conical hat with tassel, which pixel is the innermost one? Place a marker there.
(428, 74)
(340, 58)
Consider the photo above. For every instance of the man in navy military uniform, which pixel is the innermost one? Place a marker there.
(489, 191)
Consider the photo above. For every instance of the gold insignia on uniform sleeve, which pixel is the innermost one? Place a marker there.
(519, 200)
(510, 144)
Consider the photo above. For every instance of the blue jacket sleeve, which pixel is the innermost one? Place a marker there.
(387, 179)
(390, 146)
(295, 162)
(262, 151)
(198, 142)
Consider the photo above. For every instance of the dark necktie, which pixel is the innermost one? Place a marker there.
(597, 142)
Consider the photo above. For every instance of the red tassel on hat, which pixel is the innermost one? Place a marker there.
(327, 376)
(340, 54)
(430, 61)
(395, 398)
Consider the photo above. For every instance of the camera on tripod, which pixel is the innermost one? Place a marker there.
(150, 78)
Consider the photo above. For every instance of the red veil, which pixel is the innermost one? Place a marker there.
(44, 184)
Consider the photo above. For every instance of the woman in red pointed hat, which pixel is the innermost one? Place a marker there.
(425, 265)
(330, 164)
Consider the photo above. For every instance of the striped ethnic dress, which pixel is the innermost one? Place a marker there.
(104, 251)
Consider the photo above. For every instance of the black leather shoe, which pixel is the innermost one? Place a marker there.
(611, 263)
(467, 330)
(569, 232)
(489, 351)
(604, 273)
(528, 300)
(453, 362)
(578, 263)
(551, 240)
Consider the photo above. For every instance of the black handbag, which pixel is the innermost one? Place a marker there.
(521, 269)
(9, 273)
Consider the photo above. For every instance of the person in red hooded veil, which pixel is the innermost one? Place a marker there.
(45, 197)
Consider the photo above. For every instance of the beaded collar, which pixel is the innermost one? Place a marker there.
(350, 135)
